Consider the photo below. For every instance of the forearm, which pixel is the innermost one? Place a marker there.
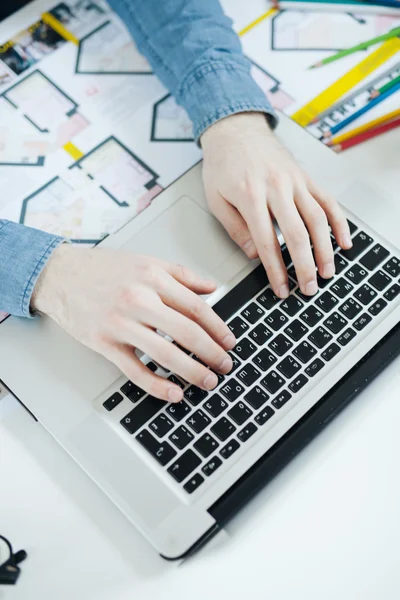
(197, 55)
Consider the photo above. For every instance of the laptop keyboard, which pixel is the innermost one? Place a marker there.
(281, 346)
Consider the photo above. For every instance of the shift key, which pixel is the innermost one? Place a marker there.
(140, 415)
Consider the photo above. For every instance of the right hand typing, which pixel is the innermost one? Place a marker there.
(113, 302)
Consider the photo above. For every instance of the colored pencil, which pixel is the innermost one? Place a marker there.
(367, 135)
(362, 46)
(362, 111)
(384, 88)
(366, 127)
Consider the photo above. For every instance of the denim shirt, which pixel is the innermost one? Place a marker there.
(194, 51)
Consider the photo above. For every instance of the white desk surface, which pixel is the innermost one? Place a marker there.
(326, 528)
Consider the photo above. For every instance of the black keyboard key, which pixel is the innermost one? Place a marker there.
(179, 410)
(235, 363)
(195, 395)
(206, 445)
(280, 345)
(272, 382)
(311, 316)
(320, 337)
(229, 449)
(291, 305)
(174, 379)
(240, 413)
(264, 415)
(232, 390)
(247, 431)
(392, 292)
(374, 257)
(248, 374)
(296, 330)
(260, 334)
(330, 352)
(264, 359)
(268, 299)
(113, 401)
(198, 421)
(350, 308)
(362, 322)
(161, 425)
(298, 383)
(140, 415)
(365, 294)
(392, 266)
(356, 274)
(286, 255)
(193, 483)
(340, 263)
(256, 397)
(360, 243)
(152, 366)
(281, 399)
(238, 327)
(212, 466)
(240, 294)
(335, 323)
(314, 367)
(352, 227)
(341, 287)
(245, 348)
(292, 272)
(346, 336)
(304, 297)
(322, 282)
(377, 307)
(181, 437)
(326, 302)
(223, 429)
(252, 313)
(184, 465)
(289, 367)
(304, 352)
(132, 391)
(215, 405)
(276, 319)
(161, 451)
(380, 280)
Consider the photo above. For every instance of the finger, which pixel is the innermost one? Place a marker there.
(296, 237)
(316, 222)
(192, 281)
(235, 225)
(262, 231)
(185, 302)
(124, 357)
(335, 215)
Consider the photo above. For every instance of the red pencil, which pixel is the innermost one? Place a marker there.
(366, 135)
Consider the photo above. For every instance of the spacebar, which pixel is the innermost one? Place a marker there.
(142, 413)
(241, 293)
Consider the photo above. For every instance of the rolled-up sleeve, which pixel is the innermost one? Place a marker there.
(24, 253)
(195, 52)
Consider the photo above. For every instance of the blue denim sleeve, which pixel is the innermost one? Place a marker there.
(23, 254)
(195, 52)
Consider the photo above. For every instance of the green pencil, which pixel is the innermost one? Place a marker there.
(384, 88)
(363, 46)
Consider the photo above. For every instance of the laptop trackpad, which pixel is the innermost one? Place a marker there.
(186, 234)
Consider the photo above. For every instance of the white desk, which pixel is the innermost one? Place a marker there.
(326, 528)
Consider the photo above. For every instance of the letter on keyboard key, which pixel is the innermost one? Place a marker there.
(179, 410)
(232, 390)
(161, 451)
(140, 415)
(184, 465)
(198, 421)
(244, 349)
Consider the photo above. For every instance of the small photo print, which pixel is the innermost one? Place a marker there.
(6, 76)
(80, 16)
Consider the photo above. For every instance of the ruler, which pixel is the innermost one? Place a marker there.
(341, 86)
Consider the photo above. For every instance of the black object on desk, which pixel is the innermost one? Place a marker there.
(9, 570)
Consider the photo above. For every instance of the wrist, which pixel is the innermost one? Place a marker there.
(48, 290)
(236, 124)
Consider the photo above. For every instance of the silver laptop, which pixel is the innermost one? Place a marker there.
(180, 472)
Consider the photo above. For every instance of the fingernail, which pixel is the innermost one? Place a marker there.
(346, 241)
(328, 270)
(284, 291)
(226, 365)
(229, 341)
(311, 288)
(175, 395)
(211, 381)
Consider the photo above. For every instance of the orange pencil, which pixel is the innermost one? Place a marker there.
(366, 135)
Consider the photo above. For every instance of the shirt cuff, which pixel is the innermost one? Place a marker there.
(219, 89)
(24, 253)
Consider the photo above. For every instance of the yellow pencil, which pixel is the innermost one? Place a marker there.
(266, 15)
(349, 134)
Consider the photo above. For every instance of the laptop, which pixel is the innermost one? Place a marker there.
(180, 472)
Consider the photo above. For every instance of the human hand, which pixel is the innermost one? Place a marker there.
(249, 178)
(113, 302)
